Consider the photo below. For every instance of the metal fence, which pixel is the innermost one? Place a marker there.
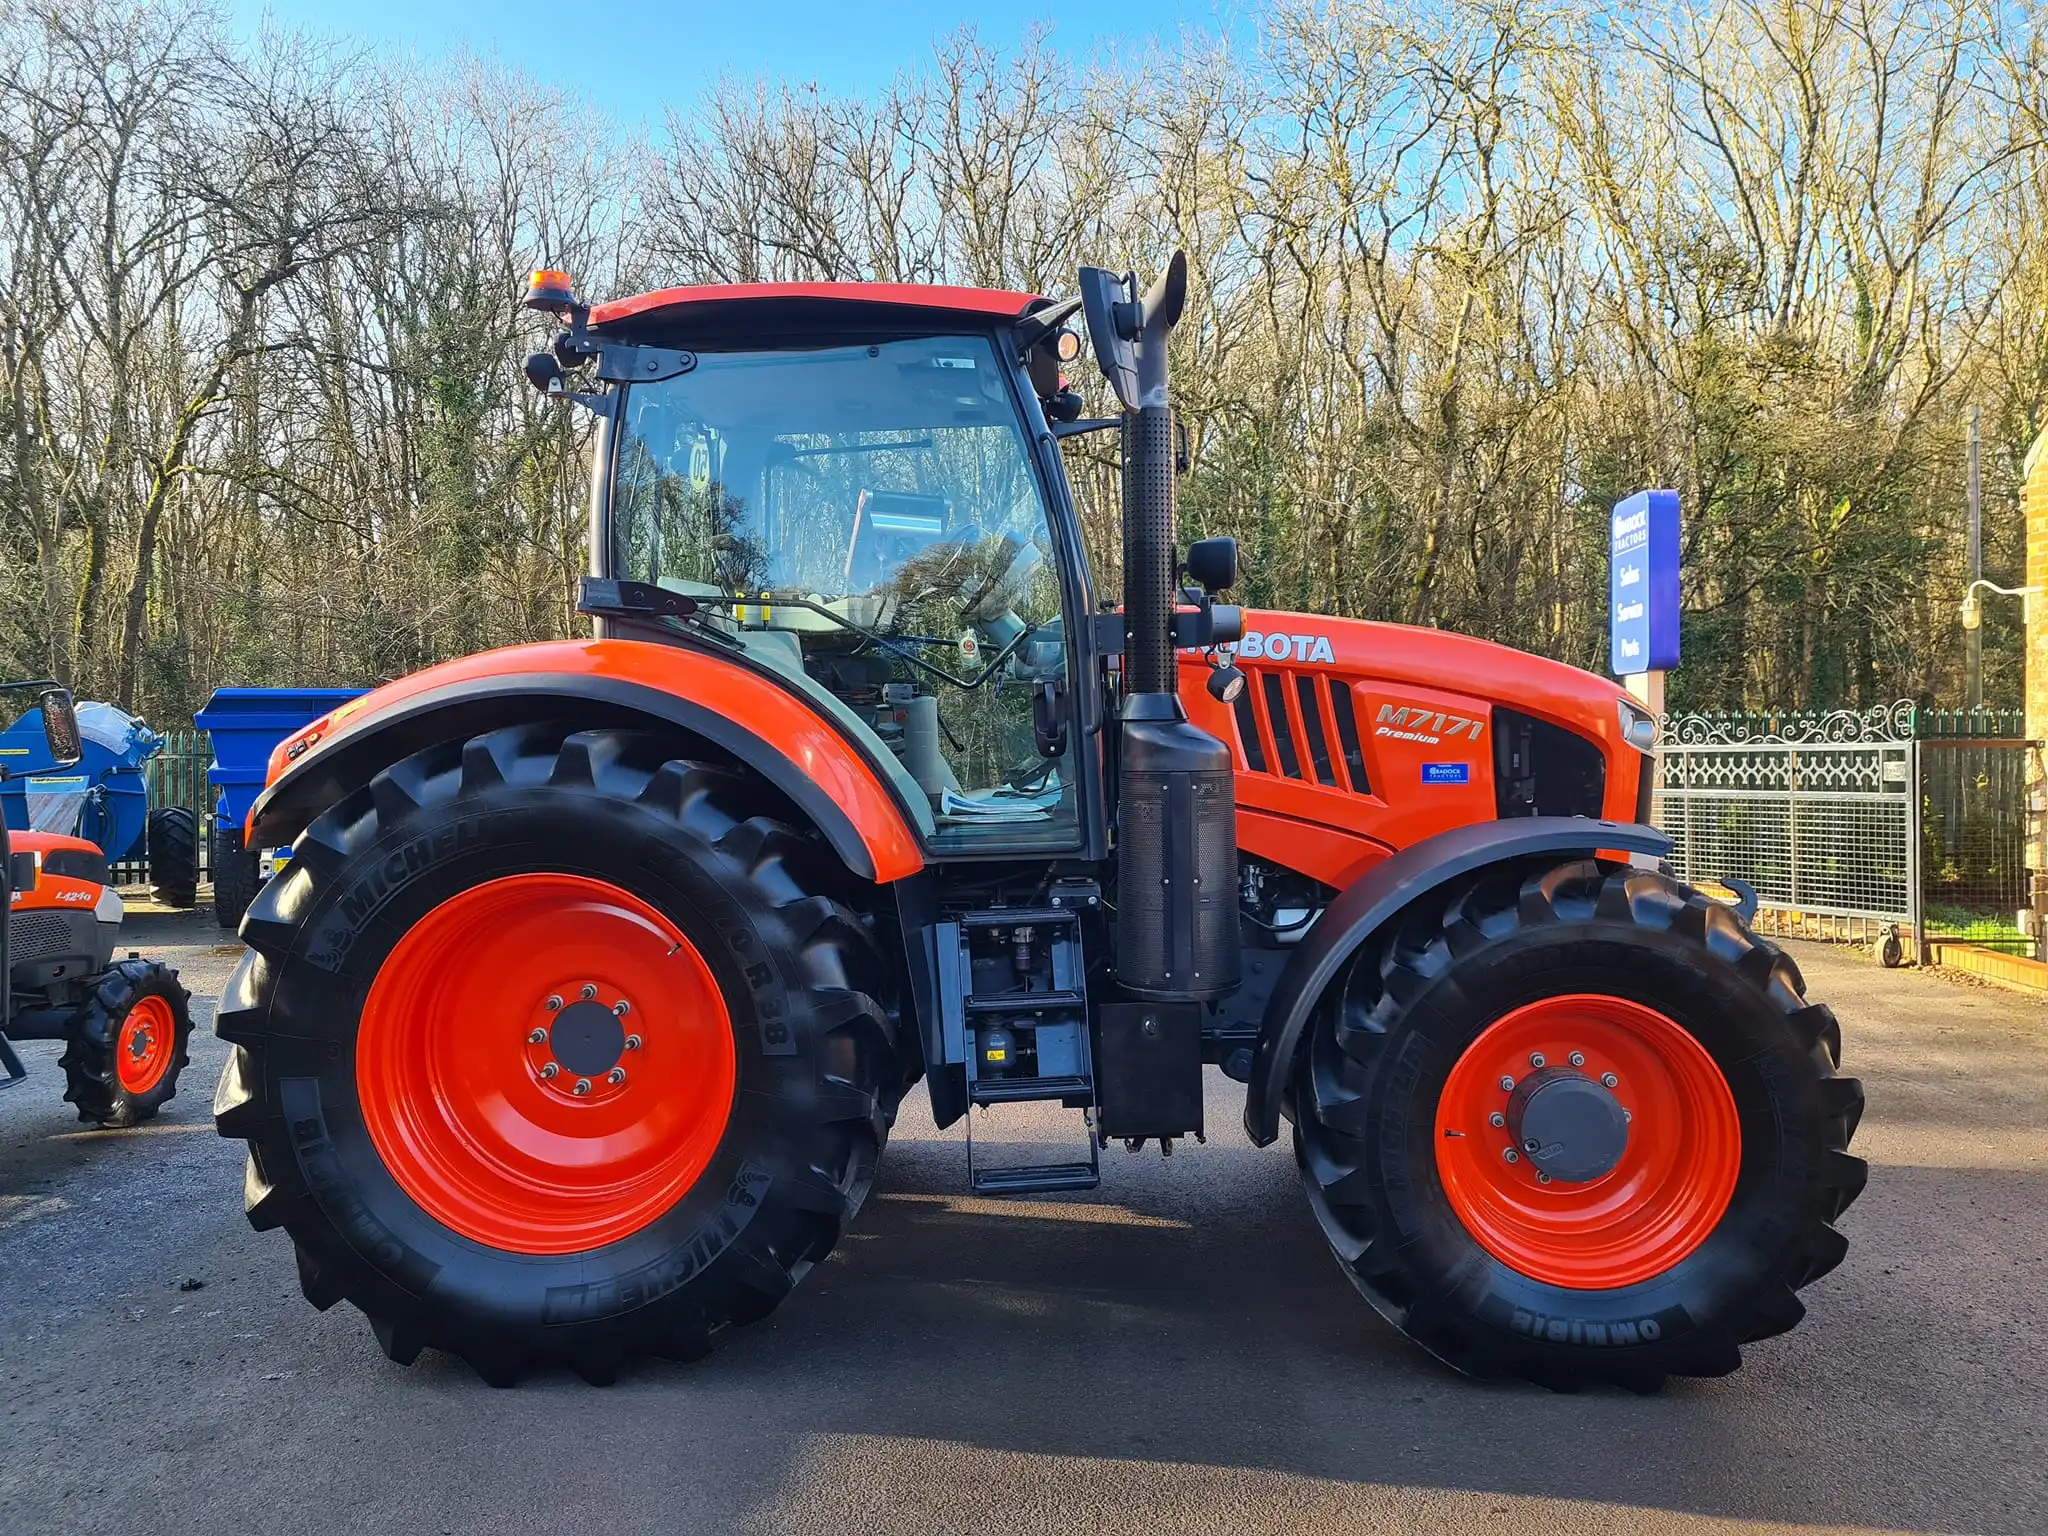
(1850, 824)
(177, 776)
(1973, 795)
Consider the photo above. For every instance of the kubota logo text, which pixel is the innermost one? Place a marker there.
(1255, 646)
(1428, 726)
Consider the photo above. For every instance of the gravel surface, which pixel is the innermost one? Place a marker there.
(1174, 1352)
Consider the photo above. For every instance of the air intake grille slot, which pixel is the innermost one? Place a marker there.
(1312, 722)
(1283, 732)
(1248, 731)
(1347, 732)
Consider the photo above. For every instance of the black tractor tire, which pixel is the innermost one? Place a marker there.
(236, 874)
(171, 838)
(818, 1072)
(92, 1046)
(1369, 1079)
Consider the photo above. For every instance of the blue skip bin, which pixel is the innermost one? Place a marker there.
(245, 725)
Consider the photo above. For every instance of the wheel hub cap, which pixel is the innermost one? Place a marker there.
(1568, 1125)
(588, 1039)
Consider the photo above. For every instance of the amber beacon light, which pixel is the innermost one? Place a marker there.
(550, 292)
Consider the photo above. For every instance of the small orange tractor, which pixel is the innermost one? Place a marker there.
(124, 1023)
(577, 1022)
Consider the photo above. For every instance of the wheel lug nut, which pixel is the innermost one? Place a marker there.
(1535, 1058)
(554, 1005)
(1627, 1117)
(551, 1070)
(1578, 1058)
(1512, 1155)
(589, 991)
(1507, 1084)
(632, 1042)
(616, 1076)
(1496, 1119)
(582, 1087)
(537, 1037)
(622, 1008)
(1609, 1080)
(1542, 1178)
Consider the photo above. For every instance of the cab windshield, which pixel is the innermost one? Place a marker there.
(867, 519)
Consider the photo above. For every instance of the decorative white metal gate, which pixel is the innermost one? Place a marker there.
(1818, 812)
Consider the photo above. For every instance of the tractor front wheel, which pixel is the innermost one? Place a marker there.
(550, 1050)
(126, 1047)
(1577, 1124)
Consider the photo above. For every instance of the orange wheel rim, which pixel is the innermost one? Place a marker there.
(142, 1053)
(1646, 1166)
(545, 1063)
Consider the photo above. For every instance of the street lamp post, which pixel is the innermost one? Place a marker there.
(1973, 612)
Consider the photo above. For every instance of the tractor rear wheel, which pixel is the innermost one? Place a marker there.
(1577, 1124)
(125, 1049)
(550, 1050)
(171, 839)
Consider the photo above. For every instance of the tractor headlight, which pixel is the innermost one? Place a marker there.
(1638, 726)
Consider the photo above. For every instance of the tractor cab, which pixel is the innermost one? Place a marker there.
(870, 511)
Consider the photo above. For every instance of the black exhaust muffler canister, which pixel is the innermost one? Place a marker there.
(1177, 930)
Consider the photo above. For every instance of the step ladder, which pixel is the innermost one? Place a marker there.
(1015, 1007)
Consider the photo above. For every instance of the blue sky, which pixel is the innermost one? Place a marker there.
(637, 57)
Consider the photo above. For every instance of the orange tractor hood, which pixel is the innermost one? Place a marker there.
(1355, 738)
(1436, 658)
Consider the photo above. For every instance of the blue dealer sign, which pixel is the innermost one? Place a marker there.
(1642, 593)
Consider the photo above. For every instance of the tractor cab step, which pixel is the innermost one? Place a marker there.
(984, 1178)
(1074, 1091)
(1037, 1180)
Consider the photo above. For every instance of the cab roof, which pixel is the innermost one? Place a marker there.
(848, 299)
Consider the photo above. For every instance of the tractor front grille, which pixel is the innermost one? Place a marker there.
(47, 935)
(1301, 726)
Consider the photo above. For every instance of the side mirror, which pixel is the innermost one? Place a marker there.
(1213, 564)
(1113, 320)
(60, 727)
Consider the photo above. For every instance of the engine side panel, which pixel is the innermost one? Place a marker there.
(1354, 739)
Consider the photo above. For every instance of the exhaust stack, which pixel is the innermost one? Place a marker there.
(1177, 932)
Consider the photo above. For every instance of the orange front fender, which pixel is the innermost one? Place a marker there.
(736, 709)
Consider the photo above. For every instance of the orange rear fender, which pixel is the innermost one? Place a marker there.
(738, 711)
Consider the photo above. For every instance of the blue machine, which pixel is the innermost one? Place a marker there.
(104, 798)
(245, 725)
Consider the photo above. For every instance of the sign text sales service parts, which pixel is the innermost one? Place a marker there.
(1642, 607)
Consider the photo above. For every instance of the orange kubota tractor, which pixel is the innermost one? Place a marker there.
(577, 1022)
